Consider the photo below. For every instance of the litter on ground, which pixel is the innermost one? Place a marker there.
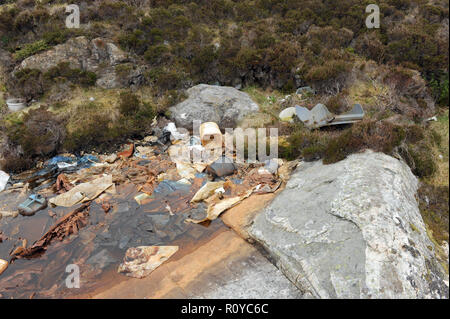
(4, 178)
(83, 192)
(320, 116)
(149, 184)
(34, 203)
(140, 261)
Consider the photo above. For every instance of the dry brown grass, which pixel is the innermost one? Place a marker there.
(441, 127)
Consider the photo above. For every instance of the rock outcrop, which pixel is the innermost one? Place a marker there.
(352, 229)
(113, 67)
(211, 103)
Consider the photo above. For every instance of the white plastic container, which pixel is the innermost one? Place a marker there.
(210, 135)
(15, 105)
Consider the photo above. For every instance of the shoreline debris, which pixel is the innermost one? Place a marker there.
(65, 226)
(128, 152)
(83, 192)
(224, 166)
(4, 178)
(3, 265)
(207, 191)
(210, 135)
(140, 261)
(32, 205)
(62, 184)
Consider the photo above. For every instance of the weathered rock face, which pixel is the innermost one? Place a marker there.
(352, 230)
(111, 64)
(211, 103)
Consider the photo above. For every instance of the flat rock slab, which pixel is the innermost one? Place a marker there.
(224, 266)
(223, 105)
(352, 230)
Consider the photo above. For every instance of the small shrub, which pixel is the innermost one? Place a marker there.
(156, 54)
(129, 103)
(56, 37)
(439, 86)
(77, 76)
(27, 83)
(378, 136)
(433, 204)
(331, 75)
(166, 79)
(95, 132)
(337, 104)
(423, 161)
(38, 134)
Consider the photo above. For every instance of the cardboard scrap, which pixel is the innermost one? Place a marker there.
(83, 192)
(3, 265)
(185, 170)
(140, 261)
(206, 191)
(217, 208)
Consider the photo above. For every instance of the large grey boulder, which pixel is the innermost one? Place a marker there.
(212, 103)
(113, 67)
(352, 230)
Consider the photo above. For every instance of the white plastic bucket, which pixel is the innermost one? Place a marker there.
(16, 104)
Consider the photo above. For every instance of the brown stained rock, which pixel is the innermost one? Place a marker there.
(241, 216)
(207, 269)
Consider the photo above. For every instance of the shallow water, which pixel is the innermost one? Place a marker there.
(98, 248)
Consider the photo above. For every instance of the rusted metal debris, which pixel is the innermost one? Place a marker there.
(106, 206)
(127, 153)
(62, 184)
(65, 226)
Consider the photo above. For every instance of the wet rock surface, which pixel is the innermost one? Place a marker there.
(220, 265)
(223, 105)
(352, 230)
(97, 248)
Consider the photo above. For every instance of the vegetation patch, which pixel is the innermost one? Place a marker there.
(434, 207)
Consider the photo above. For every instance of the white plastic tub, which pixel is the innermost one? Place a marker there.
(15, 105)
